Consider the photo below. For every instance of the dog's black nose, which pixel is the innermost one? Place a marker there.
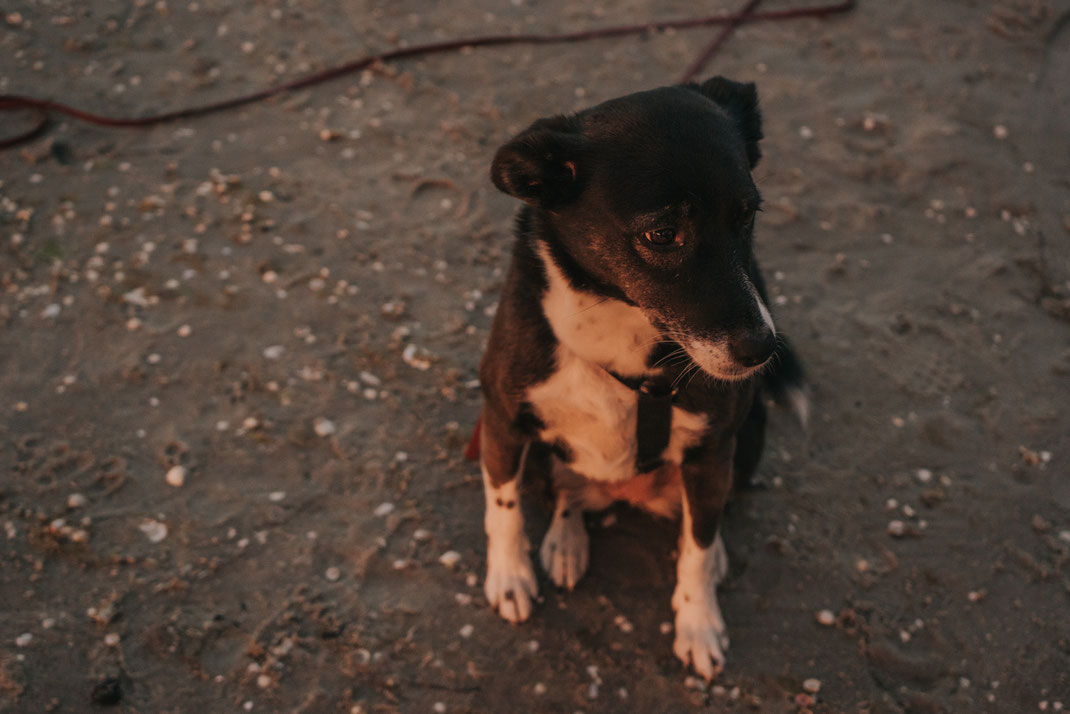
(754, 348)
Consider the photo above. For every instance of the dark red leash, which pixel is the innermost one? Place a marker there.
(41, 107)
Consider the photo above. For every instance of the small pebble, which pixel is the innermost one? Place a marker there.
(421, 535)
(813, 686)
(439, 707)
(23, 640)
(76, 500)
(1000, 132)
(263, 681)
(332, 574)
(896, 528)
(153, 530)
(539, 688)
(665, 628)
(826, 618)
(184, 331)
(466, 631)
(450, 558)
(324, 427)
(111, 639)
(383, 509)
(274, 351)
(176, 476)
(924, 475)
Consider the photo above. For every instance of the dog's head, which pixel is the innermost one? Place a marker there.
(649, 199)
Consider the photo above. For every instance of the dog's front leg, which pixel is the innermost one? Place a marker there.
(701, 638)
(510, 586)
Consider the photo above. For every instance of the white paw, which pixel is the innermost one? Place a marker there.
(565, 549)
(701, 639)
(510, 586)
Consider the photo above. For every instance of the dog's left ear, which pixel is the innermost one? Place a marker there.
(542, 165)
(740, 100)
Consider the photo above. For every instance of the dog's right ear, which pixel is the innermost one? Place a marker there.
(542, 166)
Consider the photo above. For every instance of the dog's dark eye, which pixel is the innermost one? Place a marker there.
(662, 237)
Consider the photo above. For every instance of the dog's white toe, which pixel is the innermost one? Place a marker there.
(565, 547)
(510, 586)
(701, 637)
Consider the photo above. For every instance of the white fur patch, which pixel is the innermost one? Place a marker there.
(715, 359)
(604, 331)
(701, 637)
(581, 403)
(510, 586)
(565, 547)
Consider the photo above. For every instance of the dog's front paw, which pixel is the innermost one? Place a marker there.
(510, 586)
(565, 549)
(701, 638)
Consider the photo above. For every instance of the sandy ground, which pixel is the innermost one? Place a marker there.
(289, 302)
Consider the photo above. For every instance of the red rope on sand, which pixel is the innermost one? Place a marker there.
(41, 107)
(726, 32)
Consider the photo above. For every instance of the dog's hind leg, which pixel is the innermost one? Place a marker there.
(750, 442)
(565, 547)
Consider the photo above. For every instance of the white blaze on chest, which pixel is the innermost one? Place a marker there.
(602, 330)
(581, 403)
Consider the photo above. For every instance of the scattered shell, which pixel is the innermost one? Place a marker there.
(417, 361)
(153, 530)
(384, 509)
(813, 686)
(324, 427)
(176, 476)
(450, 558)
(826, 618)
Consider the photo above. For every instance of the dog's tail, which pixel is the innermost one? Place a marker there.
(785, 381)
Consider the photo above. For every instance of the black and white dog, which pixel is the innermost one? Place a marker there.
(632, 339)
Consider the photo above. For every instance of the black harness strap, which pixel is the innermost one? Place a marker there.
(653, 424)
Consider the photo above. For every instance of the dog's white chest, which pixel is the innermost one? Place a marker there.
(582, 404)
(592, 413)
